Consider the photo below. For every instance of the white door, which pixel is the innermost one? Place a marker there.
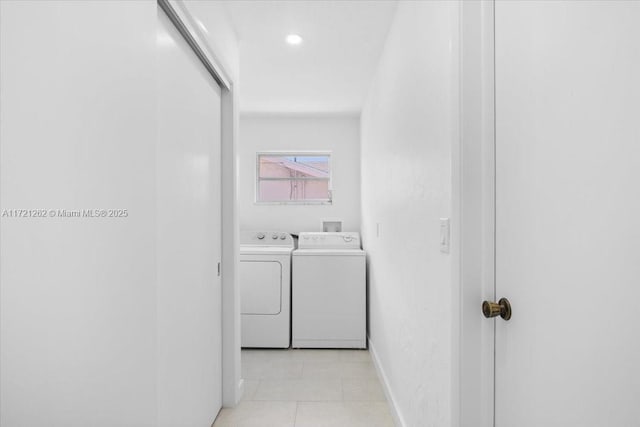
(568, 213)
(189, 235)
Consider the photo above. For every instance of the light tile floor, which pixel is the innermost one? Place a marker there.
(308, 388)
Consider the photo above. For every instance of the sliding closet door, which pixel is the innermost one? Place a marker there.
(189, 235)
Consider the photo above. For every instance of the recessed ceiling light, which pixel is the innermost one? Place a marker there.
(294, 39)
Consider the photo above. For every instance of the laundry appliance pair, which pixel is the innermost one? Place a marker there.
(310, 297)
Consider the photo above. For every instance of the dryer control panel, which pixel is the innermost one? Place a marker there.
(265, 238)
(321, 240)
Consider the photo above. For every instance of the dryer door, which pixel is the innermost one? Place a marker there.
(260, 287)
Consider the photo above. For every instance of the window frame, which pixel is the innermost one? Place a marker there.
(257, 179)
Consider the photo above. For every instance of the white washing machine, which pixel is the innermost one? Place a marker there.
(329, 291)
(265, 288)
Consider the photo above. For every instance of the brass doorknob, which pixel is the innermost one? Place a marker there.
(501, 308)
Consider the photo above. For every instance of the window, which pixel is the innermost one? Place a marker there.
(293, 178)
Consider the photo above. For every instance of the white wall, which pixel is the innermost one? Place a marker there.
(338, 134)
(78, 294)
(409, 129)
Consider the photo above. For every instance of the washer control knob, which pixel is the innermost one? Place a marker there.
(347, 238)
(274, 236)
(260, 236)
(283, 236)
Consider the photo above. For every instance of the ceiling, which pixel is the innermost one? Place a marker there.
(330, 72)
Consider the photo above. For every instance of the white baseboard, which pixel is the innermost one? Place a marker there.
(395, 413)
(239, 393)
(240, 390)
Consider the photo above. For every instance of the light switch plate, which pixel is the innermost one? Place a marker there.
(444, 235)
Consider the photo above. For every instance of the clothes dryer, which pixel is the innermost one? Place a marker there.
(265, 288)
